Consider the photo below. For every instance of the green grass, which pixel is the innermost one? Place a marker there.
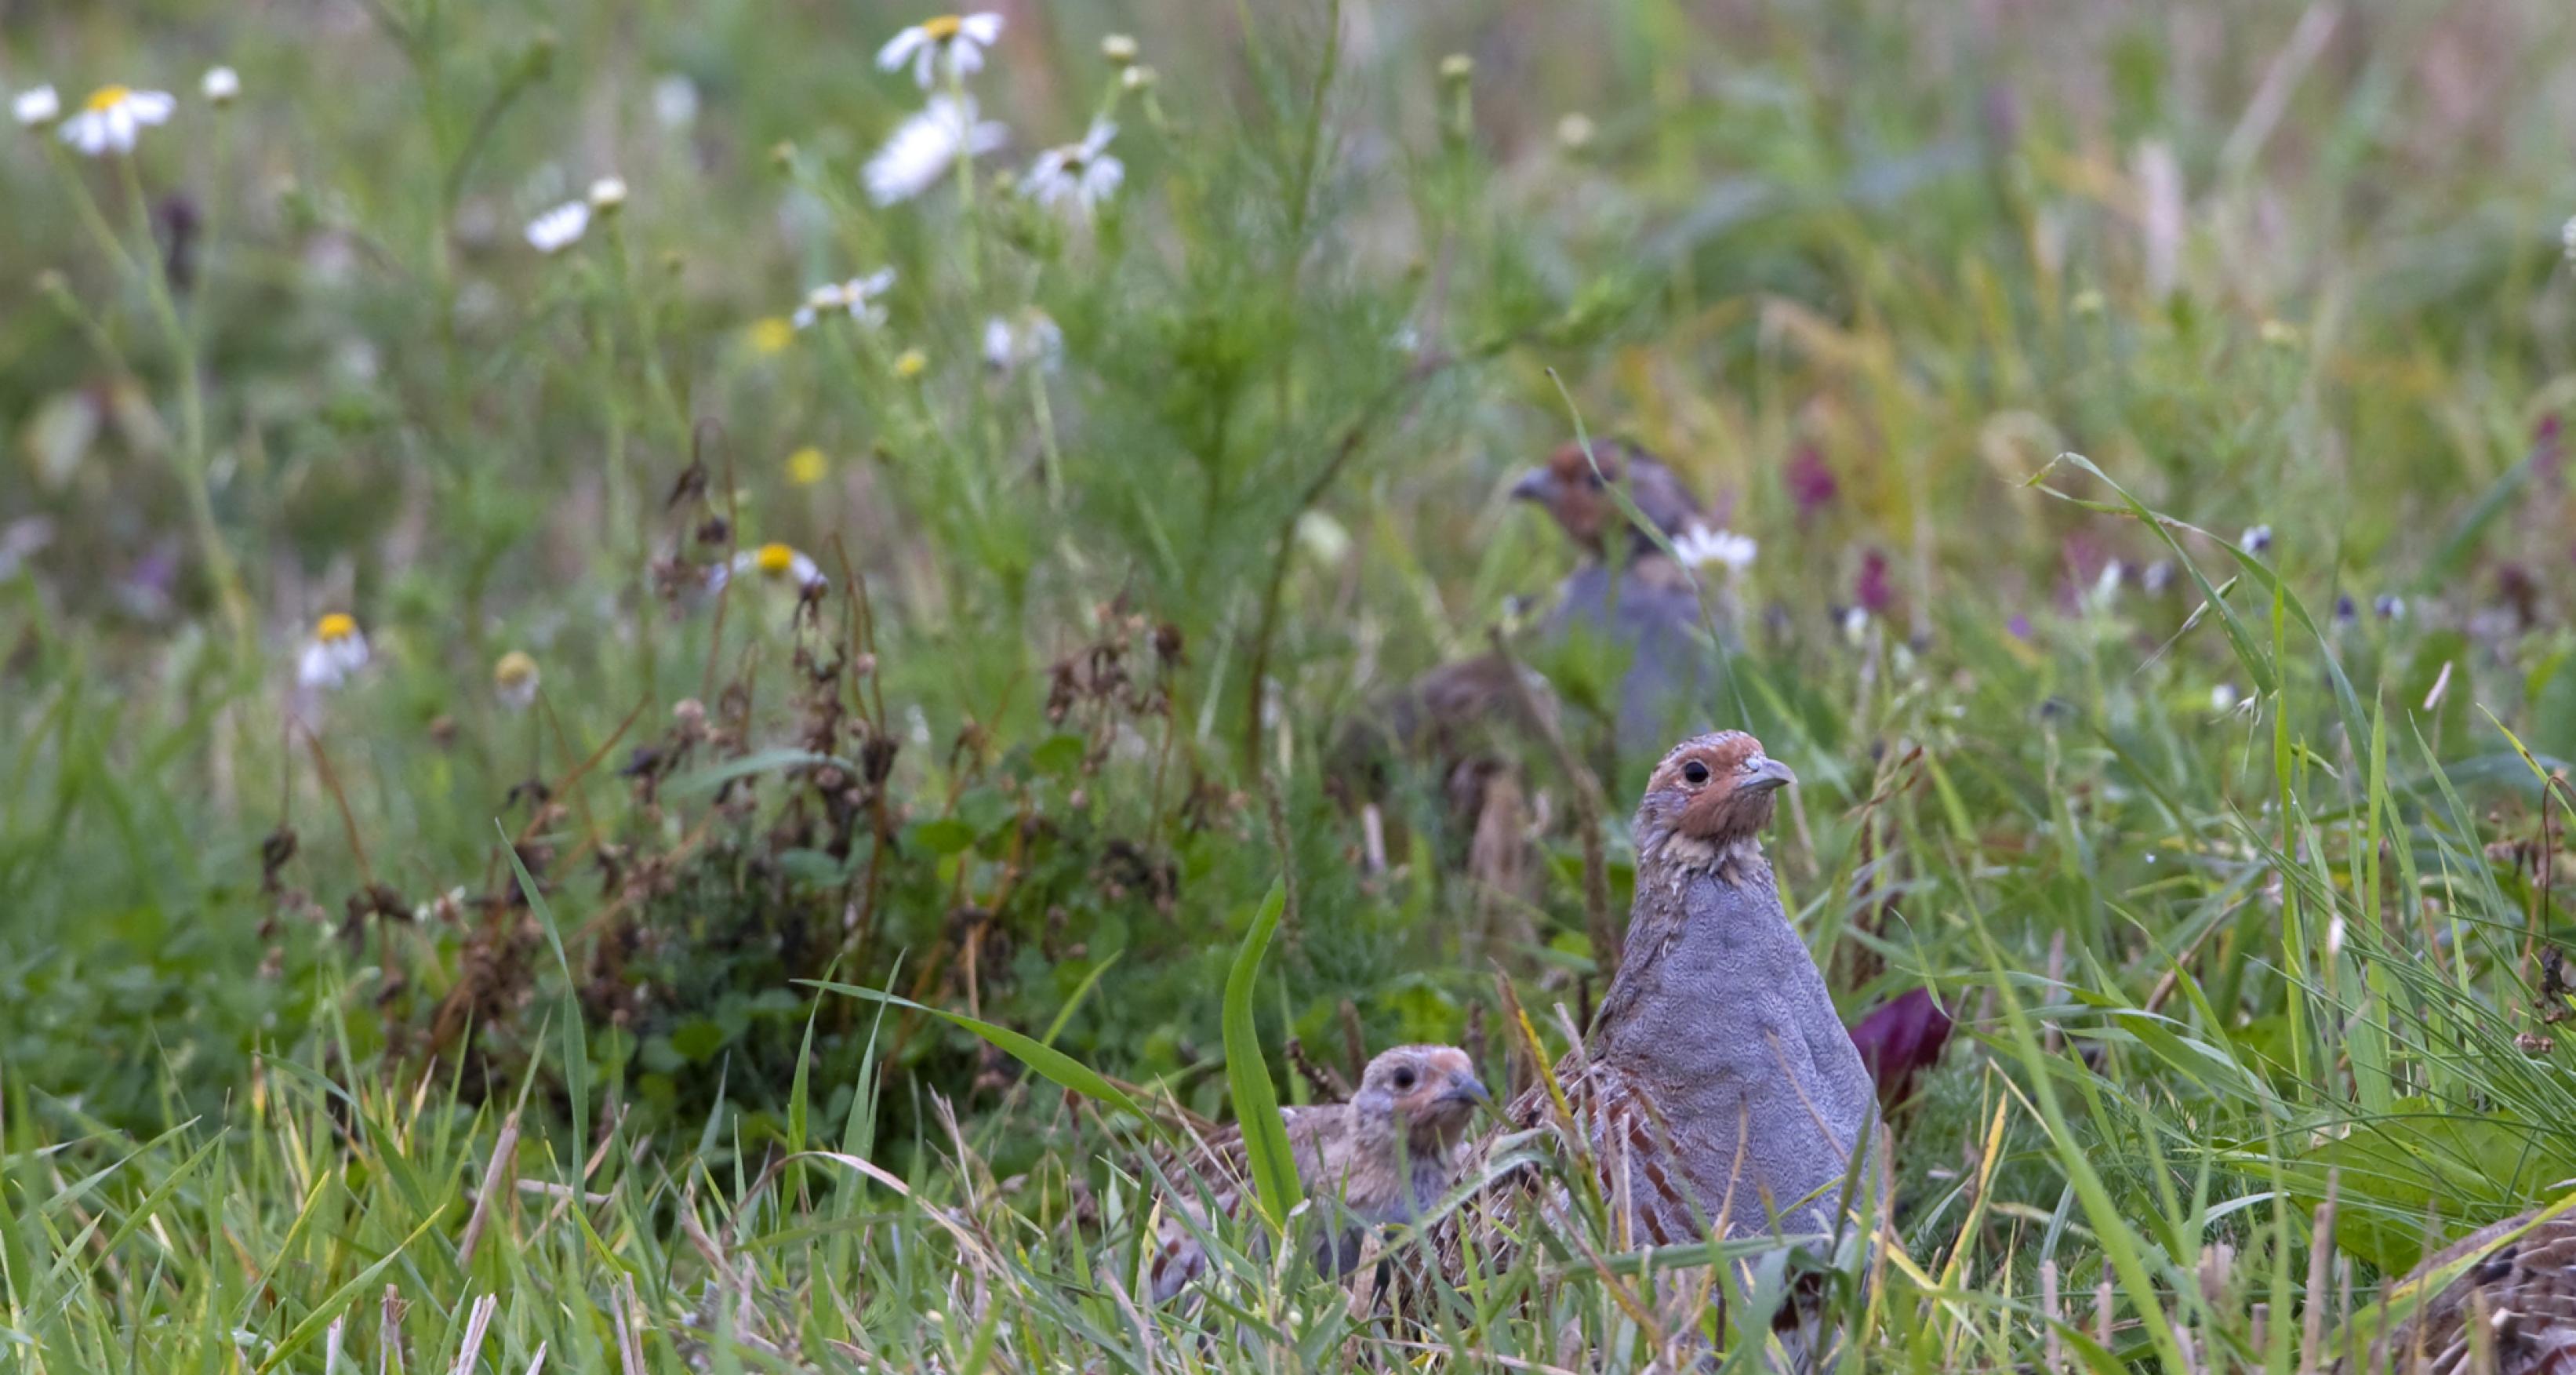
(684, 1011)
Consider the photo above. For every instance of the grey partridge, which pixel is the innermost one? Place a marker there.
(1382, 1158)
(1717, 1092)
(2511, 1312)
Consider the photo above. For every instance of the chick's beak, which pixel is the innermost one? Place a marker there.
(1465, 1088)
(1771, 773)
(1538, 484)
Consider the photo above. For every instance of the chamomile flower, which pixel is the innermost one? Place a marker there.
(1033, 338)
(1120, 49)
(926, 145)
(608, 195)
(776, 562)
(857, 296)
(1701, 546)
(114, 117)
(559, 228)
(1077, 176)
(336, 651)
(514, 680)
(221, 86)
(938, 46)
(36, 107)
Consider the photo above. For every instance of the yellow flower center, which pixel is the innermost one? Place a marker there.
(772, 335)
(943, 28)
(774, 559)
(108, 97)
(514, 668)
(910, 364)
(337, 626)
(806, 466)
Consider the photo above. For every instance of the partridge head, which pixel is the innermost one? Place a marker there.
(1706, 804)
(1574, 488)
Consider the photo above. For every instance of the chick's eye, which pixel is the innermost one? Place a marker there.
(1694, 773)
(1404, 1079)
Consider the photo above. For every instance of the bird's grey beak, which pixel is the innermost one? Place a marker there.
(1771, 773)
(1466, 1088)
(1535, 485)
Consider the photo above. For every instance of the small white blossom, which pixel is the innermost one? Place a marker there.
(1701, 546)
(607, 194)
(514, 680)
(925, 145)
(2157, 576)
(1120, 49)
(113, 117)
(37, 107)
(2223, 697)
(2106, 588)
(2390, 607)
(336, 651)
(559, 228)
(2567, 236)
(1856, 625)
(1033, 339)
(777, 562)
(2256, 539)
(936, 47)
(222, 86)
(1574, 132)
(857, 296)
(1138, 77)
(1078, 176)
(675, 101)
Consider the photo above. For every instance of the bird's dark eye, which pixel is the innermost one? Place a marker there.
(1404, 1079)
(1694, 773)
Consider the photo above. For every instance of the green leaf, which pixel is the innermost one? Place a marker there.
(1054, 1065)
(945, 836)
(1059, 753)
(1256, 1100)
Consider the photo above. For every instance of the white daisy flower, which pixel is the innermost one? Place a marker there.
(607, 194)
(514, 679)
(936, 47)
(222, 86)
(113, 117)
(1120, 49)
(1078, 176)
(858, 296)
(559, 228)
(1701, 546)
(37, 107)
(777, 562)
(1033, 339)
(336, 651)
(925, 145)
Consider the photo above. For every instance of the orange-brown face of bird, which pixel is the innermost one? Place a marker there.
(1578, 496)
(1572, 492)
(1715, 788)
(1432, 1090)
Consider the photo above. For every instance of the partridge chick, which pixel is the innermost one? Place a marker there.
(1380, 1159)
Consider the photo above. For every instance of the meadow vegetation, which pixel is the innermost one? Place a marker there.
(693, 782)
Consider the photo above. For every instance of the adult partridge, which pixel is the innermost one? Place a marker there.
(1382, 1158)
(2511, 1312)
(1717, 1092)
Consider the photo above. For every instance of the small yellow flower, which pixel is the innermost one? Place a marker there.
(771, 335)
(910, 364)
(514, 679)
(806, 466)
